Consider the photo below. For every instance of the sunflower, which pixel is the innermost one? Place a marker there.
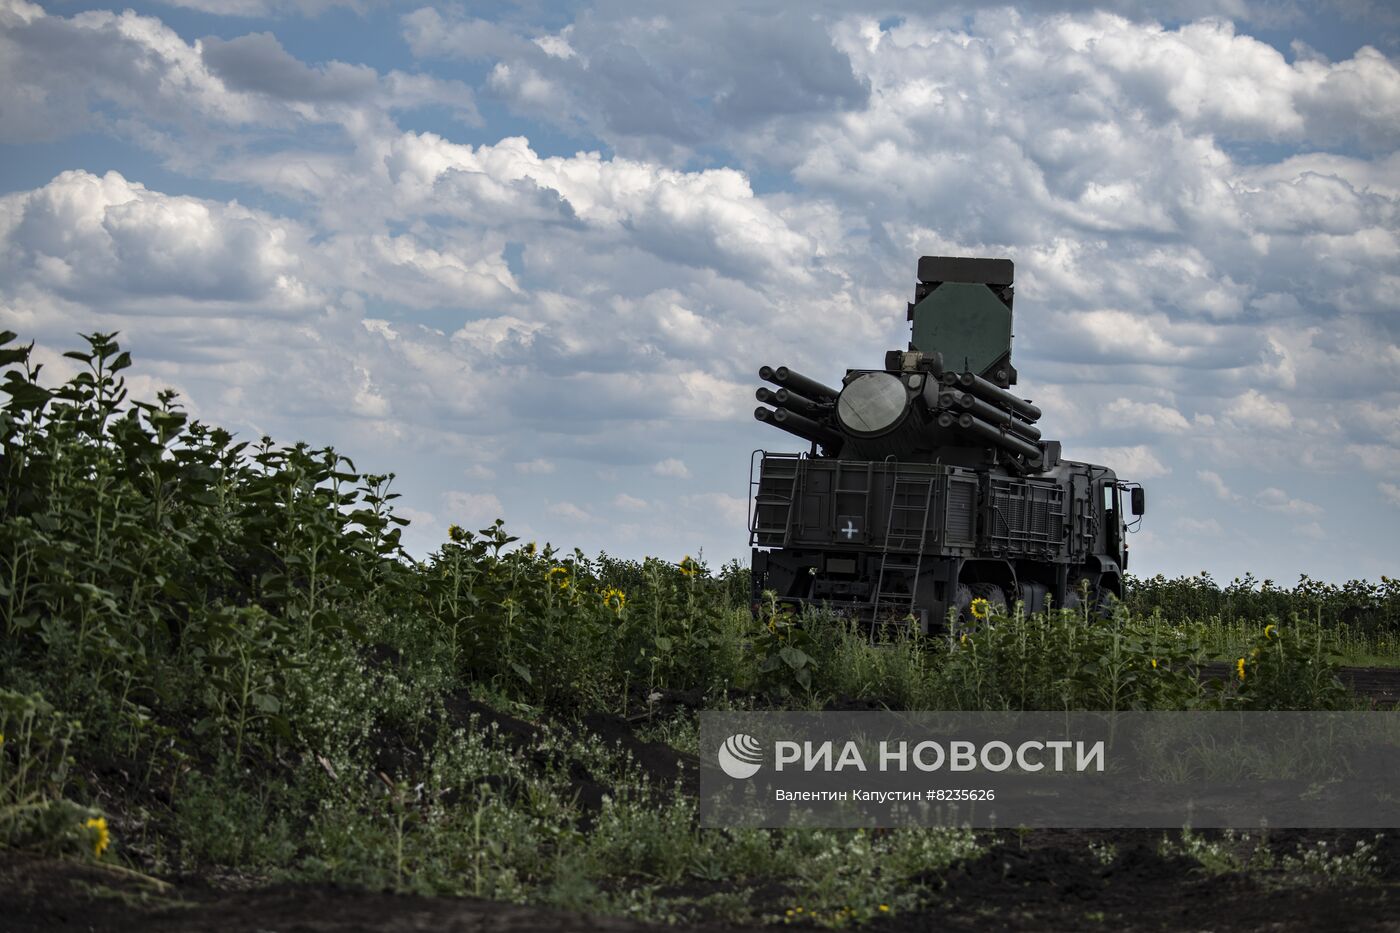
(101, 837)
(981, 608)
(1239, 666)
(1271, 631)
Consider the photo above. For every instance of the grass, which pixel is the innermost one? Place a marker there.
(269, 685)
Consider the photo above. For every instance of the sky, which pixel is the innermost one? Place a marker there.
(529, 257)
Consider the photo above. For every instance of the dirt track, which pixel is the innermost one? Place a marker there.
(1380, 685)
(1047, 881)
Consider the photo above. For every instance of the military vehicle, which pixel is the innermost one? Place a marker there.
(927, 484)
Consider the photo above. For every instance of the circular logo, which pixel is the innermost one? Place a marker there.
(741, 756)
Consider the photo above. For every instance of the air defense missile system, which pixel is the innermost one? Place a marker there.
(927, 484)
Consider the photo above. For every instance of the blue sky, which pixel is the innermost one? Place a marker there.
(529, 256)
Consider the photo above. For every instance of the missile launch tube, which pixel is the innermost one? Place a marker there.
(1008, 442)
(792, 401)
(997, 416)
(805, 428)
(795, 423)
(995, 394)
(782, 398)
(788, 379)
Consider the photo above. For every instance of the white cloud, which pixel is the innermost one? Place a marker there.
(418, 517)
(1199, 526)
(630, 503)
(1310, 530)
(731, 510)
(1254, 409)
(1216, 485)
(672, 468)
(705, 218)
(570, 512)
(650, 82)
(61, 72)
(537, 467)
(1276, 500)
(1137, 462)
(1376, 458)
(430, 35)
(1150, 416)
(108, 241)
(258, 8)
(472, 509)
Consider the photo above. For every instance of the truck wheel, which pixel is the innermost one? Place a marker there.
(995, 597)
(1074, 593)
(1105, 604)
(958, 619)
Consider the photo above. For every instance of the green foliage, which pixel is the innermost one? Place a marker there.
(555, 629)
(1317, 862)
(1359, 604)
(34, 762)
(1066, 660)
(1286, 668)
(901, 669)
(781, 646)
(228, 818)
(155, 571)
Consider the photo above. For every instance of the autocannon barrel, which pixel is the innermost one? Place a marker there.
(796, 382)
(805, 428)
(990, 392)
(998, 438)
(973, 405)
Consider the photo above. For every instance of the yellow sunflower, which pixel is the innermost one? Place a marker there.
(614, 599)
(101, 837)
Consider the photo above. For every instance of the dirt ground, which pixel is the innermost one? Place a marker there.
(1048, 881)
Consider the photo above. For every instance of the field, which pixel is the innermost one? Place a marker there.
(230, 701)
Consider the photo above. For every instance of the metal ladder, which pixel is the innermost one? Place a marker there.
(904, 489)
(841, 493)
(781, 471)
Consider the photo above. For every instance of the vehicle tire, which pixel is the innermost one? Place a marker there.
(995, 597)
(958, 617)
(1074, 595)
